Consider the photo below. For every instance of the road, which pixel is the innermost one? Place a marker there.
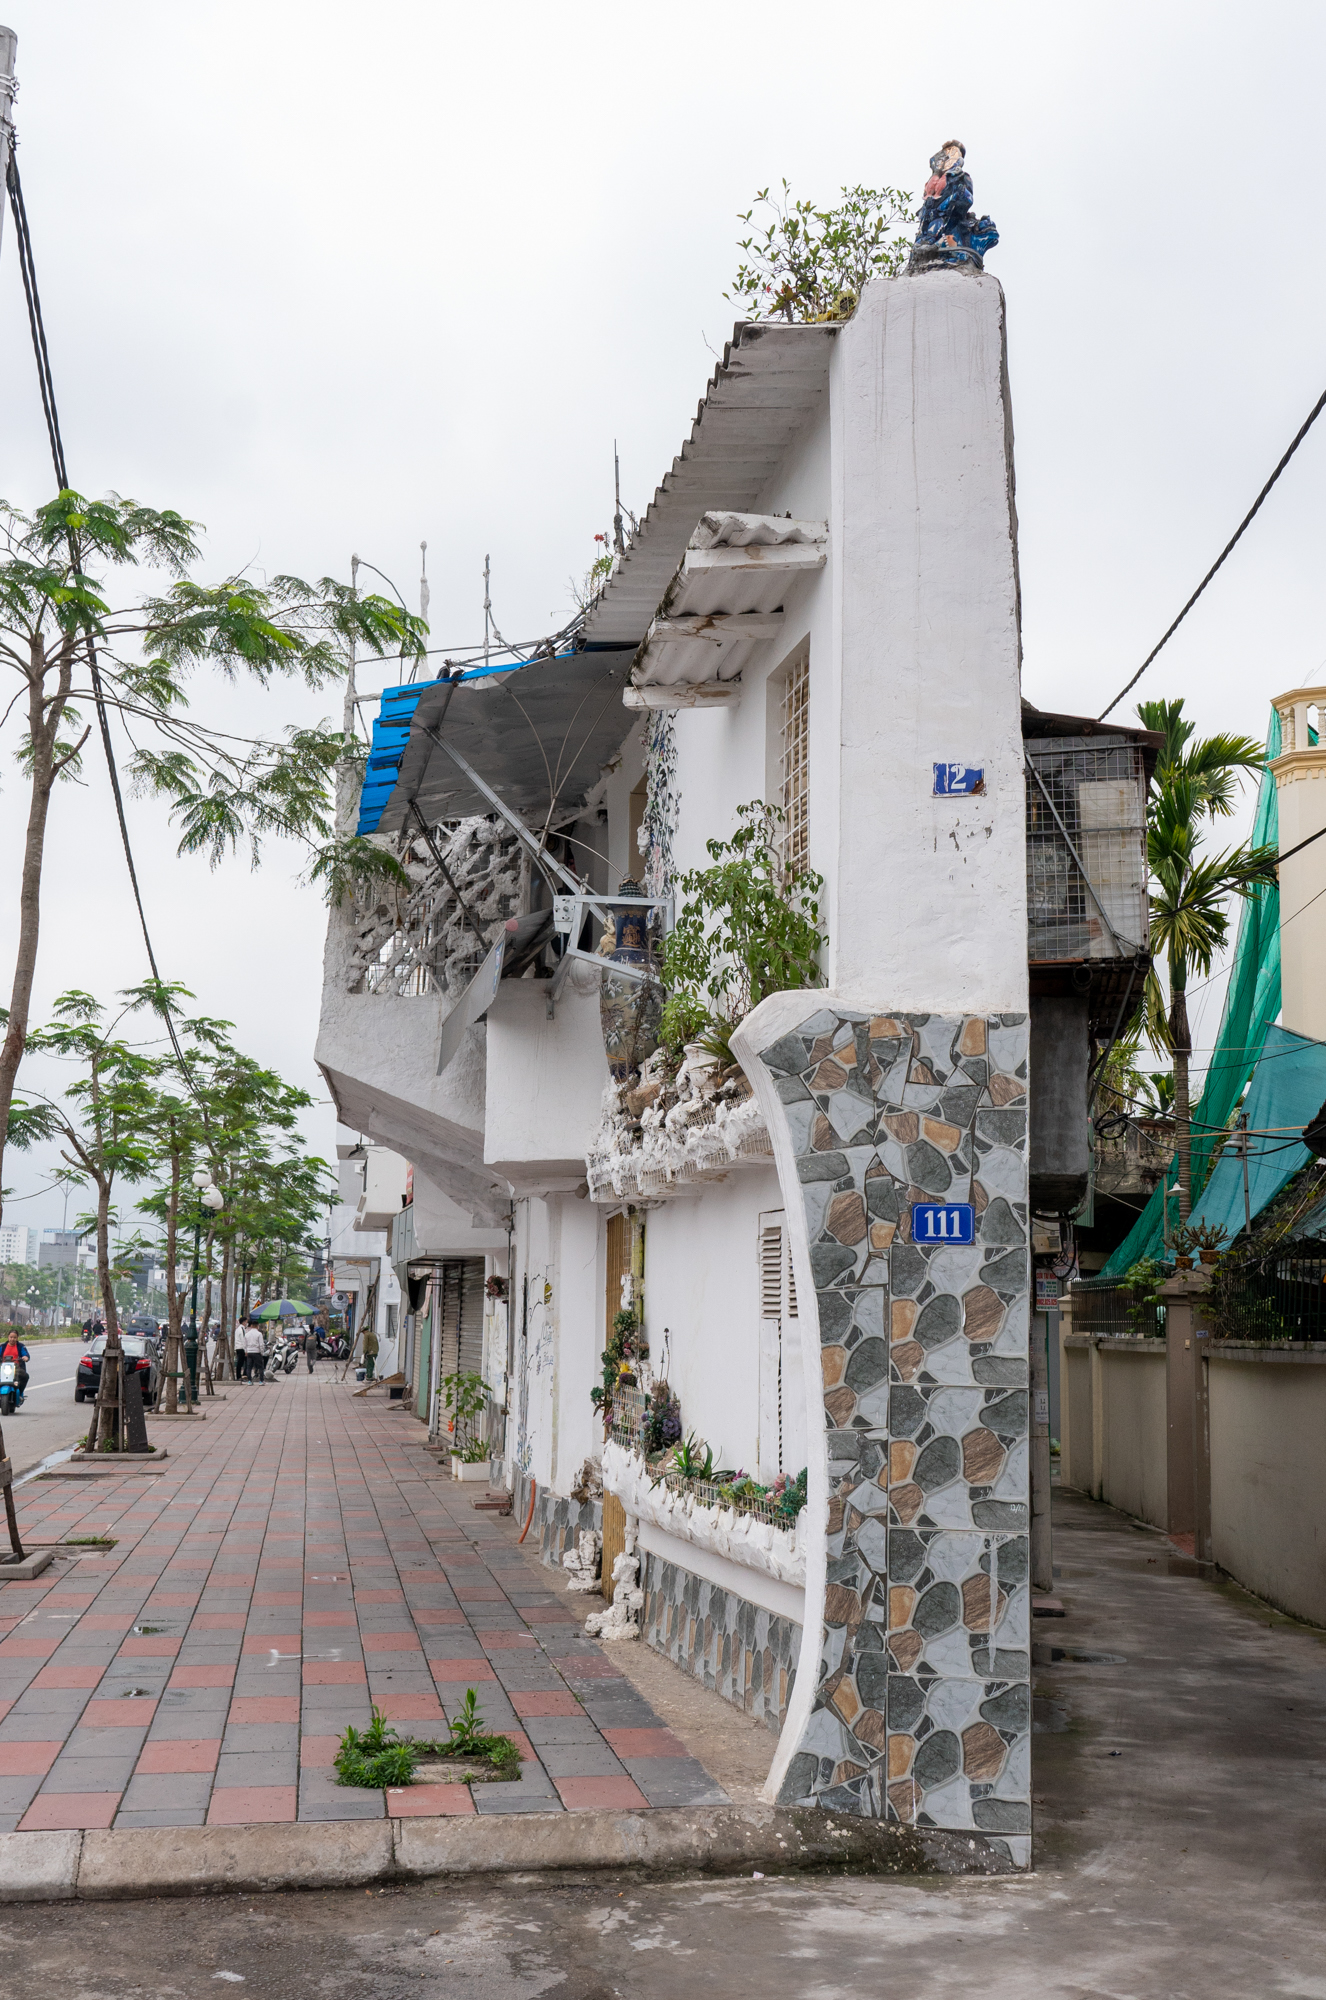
(50, 1419)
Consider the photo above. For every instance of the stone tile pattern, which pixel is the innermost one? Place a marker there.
(922, 1709)
(740, 1650)
(301, 1559)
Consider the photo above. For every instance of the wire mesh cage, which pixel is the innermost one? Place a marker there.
(1086, 849)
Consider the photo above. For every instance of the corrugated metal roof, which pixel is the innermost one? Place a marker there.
(772, 377)
(725, 598)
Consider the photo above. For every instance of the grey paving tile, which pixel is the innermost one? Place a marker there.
(261, 1738)
(675, 1781)
(542, 1729)
(84, 1742)
(50, 1702)
(176, 1816)
(580, 1760)
(515, 1799)
(17, 1794)
(270, 1768)
(89, 1774)
(168, 1792)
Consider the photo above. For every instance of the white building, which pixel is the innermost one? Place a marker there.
(371, 1187)
(820, 609)
(18, 1245)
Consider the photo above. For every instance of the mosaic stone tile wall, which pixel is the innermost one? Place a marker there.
(745, 1653)
(556, 1522)
(922, 1708)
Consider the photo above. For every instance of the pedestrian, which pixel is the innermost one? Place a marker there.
(311, 1344)
(370, 1353)
(255, 1342)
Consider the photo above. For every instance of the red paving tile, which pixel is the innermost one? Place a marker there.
(194, 1753)
(56, 1812)
(174, 1600)
(154, 1646)
(390, 1642)
(265, 1708)
(521, 1741)
(218, 1621)
(213, 1674)
(277, 1599)
(545, 1701)
(345, 1617)
(586, 1794)
(29, 1647)
(644, 1743)
(271, 1642)
(378, 1597)
(126, 1714)
(418, 1801)
(28, 1760)
(252, 1805)
(427, 1617)
(318, 1751)
(411, 1707)
(79, 1675)
(503, 1641)
(106, 1621)
(462, 1670)
(335, 1673)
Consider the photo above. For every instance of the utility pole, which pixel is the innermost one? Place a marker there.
(348, 714)
(618, 538)
(8, 91)
(487, 613)
(1242, 1143)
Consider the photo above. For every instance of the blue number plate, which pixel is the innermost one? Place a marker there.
(943, 1222)
(958, 780)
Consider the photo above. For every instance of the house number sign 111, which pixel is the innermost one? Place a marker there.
(943, 1222)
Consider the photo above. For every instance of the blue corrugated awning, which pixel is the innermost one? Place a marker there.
(539, 732)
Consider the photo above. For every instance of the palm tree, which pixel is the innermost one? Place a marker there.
(1194, 782)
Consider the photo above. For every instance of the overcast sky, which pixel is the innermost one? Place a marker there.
(332, 278)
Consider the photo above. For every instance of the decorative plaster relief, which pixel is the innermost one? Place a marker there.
(921, 1705)
(724, 1530)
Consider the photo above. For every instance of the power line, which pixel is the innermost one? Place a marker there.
(1225, 553)
(46, 383)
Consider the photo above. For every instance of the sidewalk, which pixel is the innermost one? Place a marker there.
(300, 1559)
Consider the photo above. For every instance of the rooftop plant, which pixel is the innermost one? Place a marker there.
(800, 262)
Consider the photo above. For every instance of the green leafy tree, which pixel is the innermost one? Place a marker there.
(102, 1124)
(61, 617)
(806, 263)
(1194, 783)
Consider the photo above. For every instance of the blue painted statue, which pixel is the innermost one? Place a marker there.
(948, 233)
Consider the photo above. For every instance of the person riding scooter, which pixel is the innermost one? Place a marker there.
(15, 1351)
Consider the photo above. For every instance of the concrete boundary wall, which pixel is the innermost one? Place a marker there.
(1268, 1496)
(1265, 1444)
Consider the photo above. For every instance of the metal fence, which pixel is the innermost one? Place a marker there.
(1086, 849)
(1113, 1308)
(1282, 1298)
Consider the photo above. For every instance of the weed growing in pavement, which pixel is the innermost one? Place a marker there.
(378, 1756)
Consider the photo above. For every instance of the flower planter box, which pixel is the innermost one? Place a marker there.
(460, 1470)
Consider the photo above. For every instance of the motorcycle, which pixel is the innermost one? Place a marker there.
(283, 1356)
(11, 1397)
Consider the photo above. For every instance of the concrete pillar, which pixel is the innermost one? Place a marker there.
(1300, 783)
(1188, 1430)
(906, 1083)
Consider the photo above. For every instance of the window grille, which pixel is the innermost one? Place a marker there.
(779, 1383)
(794, 768)
(1086, 850)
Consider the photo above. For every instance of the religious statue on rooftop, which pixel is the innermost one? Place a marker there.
(949, 235)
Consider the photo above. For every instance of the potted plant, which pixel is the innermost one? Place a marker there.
(466, 1400)
(1207, 1239)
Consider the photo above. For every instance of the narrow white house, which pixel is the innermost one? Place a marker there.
(825, 1244)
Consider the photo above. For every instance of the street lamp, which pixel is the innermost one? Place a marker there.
(211, 1198)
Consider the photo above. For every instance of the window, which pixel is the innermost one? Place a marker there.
(794, 765)
(782, 1418)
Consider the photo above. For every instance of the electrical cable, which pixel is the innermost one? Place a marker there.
(1225, 553)
(50, 410)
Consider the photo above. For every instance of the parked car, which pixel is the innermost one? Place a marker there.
(141, 1348)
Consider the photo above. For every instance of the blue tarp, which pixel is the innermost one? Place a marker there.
(1288, 1086)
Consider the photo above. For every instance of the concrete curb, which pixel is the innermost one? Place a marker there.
(134, 1863)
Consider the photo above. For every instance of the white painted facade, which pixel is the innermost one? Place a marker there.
(904, 450)
(1300, 783)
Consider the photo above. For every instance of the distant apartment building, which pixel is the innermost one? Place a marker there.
(64, 1248)
(18, 1245)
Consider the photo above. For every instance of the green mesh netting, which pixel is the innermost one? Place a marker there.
(1252, 1001)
